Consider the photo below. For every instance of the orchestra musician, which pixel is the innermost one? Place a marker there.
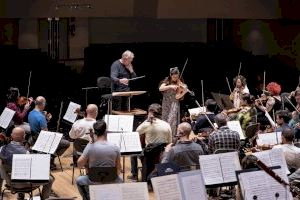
(99, 154)
(240, 89)
(248, 113)
(169, 87)
(121, 70)
(38, 119)
(21, 106)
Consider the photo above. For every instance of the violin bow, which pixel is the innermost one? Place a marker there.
(28, 87)
(240, 68)
(228, 85)
(202, 93)
(183, 68)
(264, 84)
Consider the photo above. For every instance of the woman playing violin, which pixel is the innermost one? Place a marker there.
(169, 87)
(240, 89)
(20, 105)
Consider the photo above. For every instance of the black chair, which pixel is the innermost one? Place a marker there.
(104, 84)
(78, 147)
(103, 174)
(167, 168)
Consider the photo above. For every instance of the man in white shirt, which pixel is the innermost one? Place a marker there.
(291, 153)
(81, 127)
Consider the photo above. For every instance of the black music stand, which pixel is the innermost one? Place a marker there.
(222, 100)
(86, 92)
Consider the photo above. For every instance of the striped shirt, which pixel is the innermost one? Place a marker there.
(224, 138)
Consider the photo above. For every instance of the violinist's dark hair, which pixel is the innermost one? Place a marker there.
(173, 71)
(249, 162)
(12, 94)
(285, 115)
(242, 78)
(154, 111)
(211, 105)
(250, 99)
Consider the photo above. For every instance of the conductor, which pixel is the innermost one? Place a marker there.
(122, 70)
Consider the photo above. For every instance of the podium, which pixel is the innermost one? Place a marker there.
(128, 94)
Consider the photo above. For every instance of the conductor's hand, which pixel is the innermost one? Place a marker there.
(124, 81)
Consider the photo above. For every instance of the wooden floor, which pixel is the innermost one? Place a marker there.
(63, 180)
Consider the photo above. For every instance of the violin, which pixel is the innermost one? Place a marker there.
(181, 90)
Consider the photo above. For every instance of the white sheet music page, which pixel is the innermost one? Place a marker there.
(21, 167)
(132, 142)
(112, 122)
(6, 117)
(42, 141)
(126, 123)
(211, 169)
(114, 138)
(40, 166)
(229, 164)
(55, 142)
(277, 159)
(49, 142)
(134, 191)
(269, 138)
(197, 111)
(105, 192)
(166, 187)
(192, 185)
(264, 156)
(236, 126)
(71, 114)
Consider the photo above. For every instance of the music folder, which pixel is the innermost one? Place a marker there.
(71, 114)
(6, 117)
(30, 167)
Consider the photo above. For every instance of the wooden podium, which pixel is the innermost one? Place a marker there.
(130, 111)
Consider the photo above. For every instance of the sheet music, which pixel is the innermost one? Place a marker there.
(70, 114)
(47, 142)
(262, 185)
(192, 184)
(273, 157)
(269, 138)
(125, 191)
(21, 165)
(197, 111)
(55, 143)
(40, 166)
(166, 187)
(6, 117)
(135, 191)
(127, 142)
(105, 192)
(119, 123)
(211, 169)
(229, 164)
(236, 126)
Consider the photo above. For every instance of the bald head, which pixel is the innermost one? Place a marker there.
(92, 111)
(184, 129)
(40, 102)
(18, 134)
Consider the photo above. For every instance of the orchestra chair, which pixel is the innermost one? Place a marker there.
(168, 168)
(78, 147)
(104, 84)
(16, 188)
(103, 175)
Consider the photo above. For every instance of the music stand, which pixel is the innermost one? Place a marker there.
(128, 94)
(86, 90)
(222, 100)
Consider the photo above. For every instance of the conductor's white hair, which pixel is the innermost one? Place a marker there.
(127, 54)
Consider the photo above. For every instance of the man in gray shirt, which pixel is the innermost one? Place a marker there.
(101, 153)
(185, 152)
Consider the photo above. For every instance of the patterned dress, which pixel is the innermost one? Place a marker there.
(171, 109)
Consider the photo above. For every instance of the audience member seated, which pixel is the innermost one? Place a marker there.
(38, 119)
(185, 152)
(16, 147)
(291, 153)
(21, 107)
(223, 138)
(152, 130)
(81, 127)
(98, 154)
